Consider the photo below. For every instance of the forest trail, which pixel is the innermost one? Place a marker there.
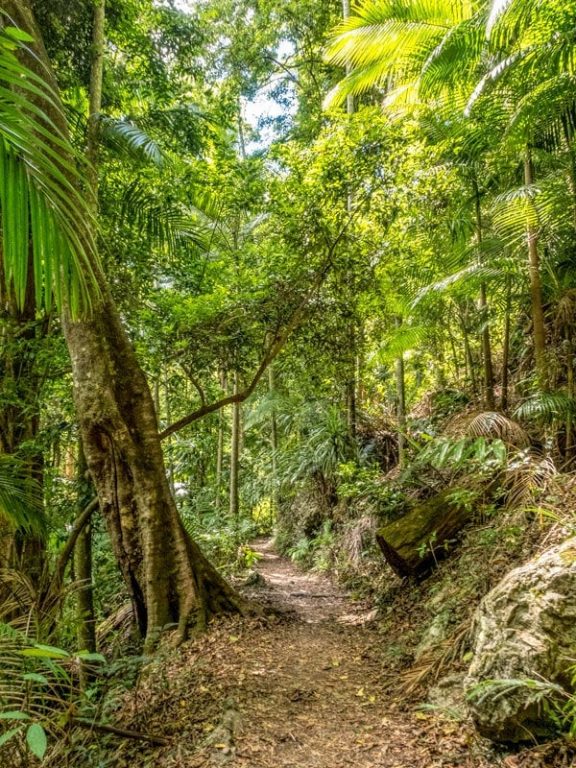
(305, 689)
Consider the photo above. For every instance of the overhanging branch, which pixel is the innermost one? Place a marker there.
(275, 346)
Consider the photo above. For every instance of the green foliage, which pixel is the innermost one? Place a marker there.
(556, 703)
(316, 553)
(20, 498)
(40, 190)
(468, 454)
(38, 692)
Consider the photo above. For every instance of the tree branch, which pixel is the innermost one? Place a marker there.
(275, 346)
(66, 553)
(122, 732)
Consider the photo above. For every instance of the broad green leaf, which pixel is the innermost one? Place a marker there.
(45, 652)
(18, 34)
(5, 737)
(35, 677)
(36, 740)
(87, 656)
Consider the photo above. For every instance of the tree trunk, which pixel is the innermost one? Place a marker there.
(350, 106)
(168, 578)
(483, 305)
(569, 447)
(273, 441)
(401, 405)
(235, 461)
(469, 357)
(351, 406)
(506, 346)
(21, 334)
(539, 328)
(86, 619)
(220, 446)
(413, 544)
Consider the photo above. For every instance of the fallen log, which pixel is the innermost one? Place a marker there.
(414, 543)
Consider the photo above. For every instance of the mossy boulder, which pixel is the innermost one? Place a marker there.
(524, 645)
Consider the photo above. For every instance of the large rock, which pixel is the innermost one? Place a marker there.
(525, 629)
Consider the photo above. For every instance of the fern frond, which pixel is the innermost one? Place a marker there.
(126, 136)
(546, 407)
(20, 498)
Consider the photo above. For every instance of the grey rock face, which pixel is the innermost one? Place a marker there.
(525, 630)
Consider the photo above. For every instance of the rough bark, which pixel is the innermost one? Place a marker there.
(234, 501)
(506, 346)
(401, 404)
(167, 576)
(413, 544)
(273, 441)
(86, 620)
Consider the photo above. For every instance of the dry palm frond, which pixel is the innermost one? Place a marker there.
(565, 310)
(432, 664)
(39, 686)
(526, 477)
(358, 537)
(28, 605)
(490, 425)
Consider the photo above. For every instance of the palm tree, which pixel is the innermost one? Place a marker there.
(482, 55)
(401, 46)
(408, 49)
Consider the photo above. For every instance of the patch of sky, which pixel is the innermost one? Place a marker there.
(269, 113)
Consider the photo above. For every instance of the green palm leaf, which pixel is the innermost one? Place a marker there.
(388, 42)
(20, 498)
(41, 204)
(125, 135)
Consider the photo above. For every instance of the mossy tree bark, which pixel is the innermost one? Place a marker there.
(414, 543)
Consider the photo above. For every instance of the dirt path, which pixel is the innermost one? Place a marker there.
(304, 690)
(310, 597)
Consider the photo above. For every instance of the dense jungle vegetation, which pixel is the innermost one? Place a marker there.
(301, 269)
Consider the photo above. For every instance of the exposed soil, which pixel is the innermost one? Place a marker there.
(306, 688)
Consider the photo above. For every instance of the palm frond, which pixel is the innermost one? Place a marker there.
(546, 407)
(387, 42)
(40, 199)
(461, 45)
(527, 475)
(515, 211)
(125, 135)
(546, 108)
(165, 225)
(401, 341)
(497, 9)
(20, 498)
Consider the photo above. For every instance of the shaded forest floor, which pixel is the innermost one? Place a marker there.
(306, 688)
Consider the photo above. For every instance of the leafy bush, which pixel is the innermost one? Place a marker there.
(39, 692)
